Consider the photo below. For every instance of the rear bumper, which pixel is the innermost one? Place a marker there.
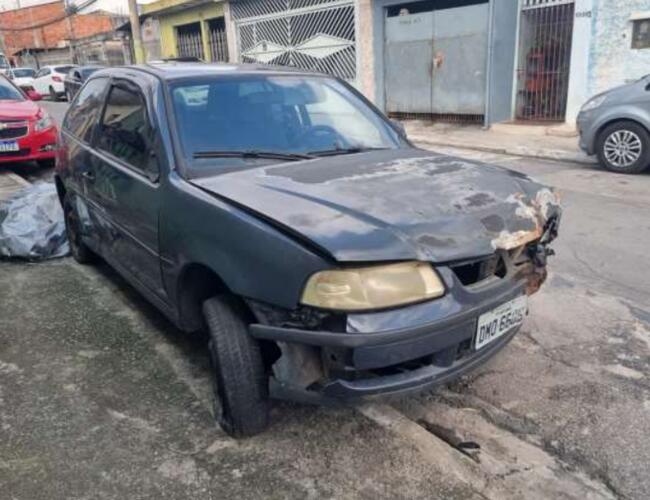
(381, 363)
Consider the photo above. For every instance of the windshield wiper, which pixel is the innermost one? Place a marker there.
(344, 151)
(271, 155)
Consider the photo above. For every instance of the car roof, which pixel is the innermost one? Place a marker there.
(180, 70)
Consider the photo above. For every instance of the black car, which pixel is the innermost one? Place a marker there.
(76, 78)
(280, 211)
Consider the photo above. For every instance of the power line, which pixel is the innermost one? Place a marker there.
(69, 12)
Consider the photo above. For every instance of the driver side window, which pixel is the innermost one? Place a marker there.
(125, 131)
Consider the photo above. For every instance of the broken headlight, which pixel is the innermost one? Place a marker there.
(375, 287)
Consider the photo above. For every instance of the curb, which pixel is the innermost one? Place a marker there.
(542, 154)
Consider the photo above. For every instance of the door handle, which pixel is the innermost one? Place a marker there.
(89, 176)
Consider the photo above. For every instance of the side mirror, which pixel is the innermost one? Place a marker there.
(33, 95)
(399, 127)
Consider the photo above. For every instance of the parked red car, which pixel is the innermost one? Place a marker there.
(27, 132)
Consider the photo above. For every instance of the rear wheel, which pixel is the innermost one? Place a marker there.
(241, 388)
(624, 147)
(80, 252)
(53, 95)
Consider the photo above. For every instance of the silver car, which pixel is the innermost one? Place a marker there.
(615, 125)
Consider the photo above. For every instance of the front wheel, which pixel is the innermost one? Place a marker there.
(80, 252)
(624, 147)
(241, 385)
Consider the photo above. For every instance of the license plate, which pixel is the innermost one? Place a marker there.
(499, 321)
(9, 146)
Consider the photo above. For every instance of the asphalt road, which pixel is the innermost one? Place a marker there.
(100, 397)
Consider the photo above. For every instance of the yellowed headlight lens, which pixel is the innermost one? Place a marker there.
(375, 287)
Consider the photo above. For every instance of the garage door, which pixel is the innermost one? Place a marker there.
(436, 61)
(317, 35)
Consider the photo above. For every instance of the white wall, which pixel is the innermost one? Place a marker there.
(613, 61)
(580, 54)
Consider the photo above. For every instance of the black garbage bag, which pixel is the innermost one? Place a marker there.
(32, 225)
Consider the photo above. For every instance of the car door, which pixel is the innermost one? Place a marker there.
(72, 82)
(37, 80)
(77, 132)
(76, 81)
(42, 83)
(124, 188)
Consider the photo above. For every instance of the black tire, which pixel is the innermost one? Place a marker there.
(241, 385)
(638, 136)
(80, 252)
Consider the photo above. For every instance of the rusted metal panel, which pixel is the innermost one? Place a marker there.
(436, 61)
(460, 60)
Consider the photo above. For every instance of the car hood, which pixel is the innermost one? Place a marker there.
(393, 205)
(18, 110)
(626, 92)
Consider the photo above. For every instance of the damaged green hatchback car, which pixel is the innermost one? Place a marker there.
(327, 257)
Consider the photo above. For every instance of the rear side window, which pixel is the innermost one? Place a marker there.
(126, 134)
(84, 112)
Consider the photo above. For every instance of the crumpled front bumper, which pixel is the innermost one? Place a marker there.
(443, 347)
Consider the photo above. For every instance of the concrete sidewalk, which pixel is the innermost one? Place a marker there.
(550, 143)
(10, 183)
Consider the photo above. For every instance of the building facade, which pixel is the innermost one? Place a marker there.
(427, 58)
(185, 29)
(43, 32)
(611, 47)
(481, 61)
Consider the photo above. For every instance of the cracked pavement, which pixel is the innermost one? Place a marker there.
(100, 397)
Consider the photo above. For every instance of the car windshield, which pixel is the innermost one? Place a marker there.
(24, 73)
(8, 92)
(86, 72)
(274, 117)
(63, 69)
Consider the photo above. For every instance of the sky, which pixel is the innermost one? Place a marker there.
(116, 6)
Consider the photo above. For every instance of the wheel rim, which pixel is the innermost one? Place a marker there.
(623, 148)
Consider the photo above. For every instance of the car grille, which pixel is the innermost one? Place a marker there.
(13, 130)
(473, 272)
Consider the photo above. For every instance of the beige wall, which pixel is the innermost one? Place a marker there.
(366, 56)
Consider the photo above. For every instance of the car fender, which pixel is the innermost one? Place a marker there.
(253, 258)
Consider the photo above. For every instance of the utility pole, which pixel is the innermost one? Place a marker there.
(70, 11)
(136, 34)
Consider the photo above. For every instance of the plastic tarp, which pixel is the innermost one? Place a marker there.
(32, 225)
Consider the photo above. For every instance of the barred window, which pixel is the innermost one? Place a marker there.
(641, 34)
